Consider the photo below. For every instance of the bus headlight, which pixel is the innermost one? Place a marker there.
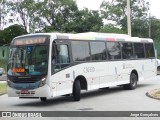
(43, 81)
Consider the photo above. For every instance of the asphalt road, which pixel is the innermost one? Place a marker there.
(113, 99)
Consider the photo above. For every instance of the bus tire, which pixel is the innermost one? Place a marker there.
(77, 90)
(43, 99)
(105, 88)
(133, 82)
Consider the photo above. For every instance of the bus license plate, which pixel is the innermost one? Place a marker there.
(24, 92)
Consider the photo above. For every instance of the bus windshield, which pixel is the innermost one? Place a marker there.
(29, 59)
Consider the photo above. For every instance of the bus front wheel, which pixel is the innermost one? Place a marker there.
(133, 82)
(77, 90)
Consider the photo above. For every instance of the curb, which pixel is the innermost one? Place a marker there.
(3, 94)
(153, 93)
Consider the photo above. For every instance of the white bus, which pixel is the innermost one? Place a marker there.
(44, 65)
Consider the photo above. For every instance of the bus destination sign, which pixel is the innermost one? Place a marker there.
(30, 40)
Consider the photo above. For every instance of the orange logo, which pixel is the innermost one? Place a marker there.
(18, 70)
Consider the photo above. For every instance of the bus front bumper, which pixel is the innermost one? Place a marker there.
(43, 91)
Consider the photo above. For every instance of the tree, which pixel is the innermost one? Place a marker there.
(23, 12)
(1, 38)
(56, 13)
(3, 14)
(110, 28)
(52, 15)
(12, 31)
(64, 16)
(155, 28)
(117, 11)
(85, 21)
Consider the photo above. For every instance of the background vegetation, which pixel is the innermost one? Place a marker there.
(3, 88)
(30, 16)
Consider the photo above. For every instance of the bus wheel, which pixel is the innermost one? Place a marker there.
(77, 91)
(43, 99)
(105, 88)
(133, 82)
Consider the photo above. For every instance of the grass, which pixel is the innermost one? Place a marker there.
(157, 94)
(3, 64)
(3, 88)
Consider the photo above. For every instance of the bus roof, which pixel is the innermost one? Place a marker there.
(102, 37)
(94, 36)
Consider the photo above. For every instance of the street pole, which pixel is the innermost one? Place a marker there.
(149, 33)
(129, 18)
(0, 15)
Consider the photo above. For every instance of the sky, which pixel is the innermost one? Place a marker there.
(94, 5)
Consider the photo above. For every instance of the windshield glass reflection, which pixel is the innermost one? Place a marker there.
(28, 60)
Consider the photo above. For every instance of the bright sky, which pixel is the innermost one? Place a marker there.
(94, 5)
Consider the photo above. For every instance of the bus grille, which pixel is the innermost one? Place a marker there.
(24, 80)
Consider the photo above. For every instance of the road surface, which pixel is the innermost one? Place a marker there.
(113, 99)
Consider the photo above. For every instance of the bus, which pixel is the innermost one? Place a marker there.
(46, 65)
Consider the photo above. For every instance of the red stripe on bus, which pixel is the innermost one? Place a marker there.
(110, 39)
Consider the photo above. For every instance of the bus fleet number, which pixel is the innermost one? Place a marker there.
(89, 69)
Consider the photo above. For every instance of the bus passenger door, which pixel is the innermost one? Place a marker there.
(60, 62)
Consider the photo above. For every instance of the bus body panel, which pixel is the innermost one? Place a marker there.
(101, 74)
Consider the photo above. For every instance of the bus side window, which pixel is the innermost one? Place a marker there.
(127, 51)
(98, 51)
(60, 57)
(114, 50)
(149, 50)
(80, 51)
(62, 54)
(139, 50)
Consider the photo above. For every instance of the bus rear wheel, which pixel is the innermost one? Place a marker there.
(43, 99)
(77, 90)
(133, 82)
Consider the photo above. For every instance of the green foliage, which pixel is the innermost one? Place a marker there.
(117, 12)
(63, 16)
(1, 38)
(157, 47)
(110, 28)
(3, 88)
(155, 28)
(85, 21)
(3, 64)
(53, 15)
(12, 31)
(48, 29)
(57, 14)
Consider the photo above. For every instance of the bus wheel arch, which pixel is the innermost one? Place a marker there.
(133, 81)
(83, 82)
(79, 84)
(136, 73)
(43, 99)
